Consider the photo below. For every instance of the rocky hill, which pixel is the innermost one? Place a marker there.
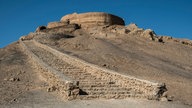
(95, 56)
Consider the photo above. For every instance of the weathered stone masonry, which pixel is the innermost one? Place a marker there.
(145, 88)
(93, 18)
(65, 85)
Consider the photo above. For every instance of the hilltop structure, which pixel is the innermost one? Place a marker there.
(88, 19)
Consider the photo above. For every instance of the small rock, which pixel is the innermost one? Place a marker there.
(111, 82)
(14, 99)
(160, 40)
(75, 92)
(5, 79)
(51, 89)
(104, 65)
(165, 94)
(170, 98)
(164, 99)
(17, 79)
(132, 27)
(14, 79)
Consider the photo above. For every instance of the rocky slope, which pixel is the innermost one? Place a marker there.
(125, 49)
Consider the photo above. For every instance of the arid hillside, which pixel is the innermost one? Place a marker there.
(127, 50)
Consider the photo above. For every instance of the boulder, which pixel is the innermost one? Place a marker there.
(136, 32)
(150, 34)
(132, 27)
(164, 38)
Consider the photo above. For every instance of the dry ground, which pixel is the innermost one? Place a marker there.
(168, 62)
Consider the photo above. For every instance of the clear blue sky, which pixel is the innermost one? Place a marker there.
(165, 17)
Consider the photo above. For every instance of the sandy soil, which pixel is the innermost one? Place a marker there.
(125, 103)
(17, 76)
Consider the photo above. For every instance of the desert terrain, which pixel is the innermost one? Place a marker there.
(127, 50)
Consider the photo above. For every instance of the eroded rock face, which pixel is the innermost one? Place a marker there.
(186, 42)
(132, 27)
(146, 33)
(40, 28)
(102, 25)
(118, 29)
(28, 37)
(93, 18)
(150, 34)
(57, 24)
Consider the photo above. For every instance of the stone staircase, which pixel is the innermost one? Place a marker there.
(90, 85)
(77, 79)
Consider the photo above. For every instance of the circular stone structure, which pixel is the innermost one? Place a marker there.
(93, 18)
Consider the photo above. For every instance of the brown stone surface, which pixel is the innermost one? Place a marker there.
(40, 28)
(93, 18)
(56, 24)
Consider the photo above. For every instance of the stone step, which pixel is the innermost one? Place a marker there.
(104, 92)
(95, 83)
(98, 80)
(75, 71)
(72, 70)
(105, 83)
(108, 92)
(81, 77)
(106, 89)
(78, 74)
(84, 78)
(71, 67)
(91, 86)
(107, 96)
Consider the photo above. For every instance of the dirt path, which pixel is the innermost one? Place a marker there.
(125, 103)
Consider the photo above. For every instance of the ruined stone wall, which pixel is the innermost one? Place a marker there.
(56, 24)
(145, 88)
(93, 18)
(61, 29)
(63, 84)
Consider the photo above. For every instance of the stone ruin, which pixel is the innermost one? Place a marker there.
(96, 20)
(71, 22)
(88, 19)
(93, 18)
